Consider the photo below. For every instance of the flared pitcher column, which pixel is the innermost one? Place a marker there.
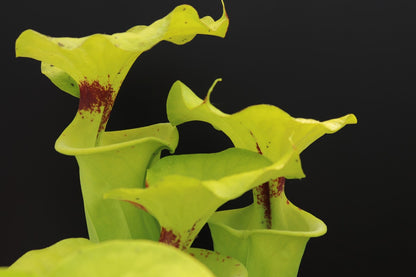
(120, 161)
(270, 251)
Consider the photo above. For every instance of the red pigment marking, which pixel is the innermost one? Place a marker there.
(264, 192)
(94, 96)
(193, 226)
(190, 235)
(280, 185)
(226, 15)
(258, 149)
(169, 238)
(277, 186)
(257, 145)
(287, 202)
(137, 205)
(263, 199)
(146, 184)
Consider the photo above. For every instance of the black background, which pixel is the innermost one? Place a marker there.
(316, 59)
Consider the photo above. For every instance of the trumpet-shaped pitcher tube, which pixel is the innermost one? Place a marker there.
(93, 69)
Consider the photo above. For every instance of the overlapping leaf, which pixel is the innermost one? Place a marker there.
(79, 257)
(185, 190)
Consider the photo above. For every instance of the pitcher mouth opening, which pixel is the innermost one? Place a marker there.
(162, 133)
(311, 227)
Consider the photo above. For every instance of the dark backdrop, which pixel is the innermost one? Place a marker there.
(317, 59)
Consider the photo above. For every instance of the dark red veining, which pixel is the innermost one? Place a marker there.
(280, 185)
(96, 98)
(190, 236)
(257, 145)
(277, 186)
(207, 253)
(170, 238)
(273, 188)
(137, 205)
(263, 194)
(106, 116)
(258, 149)
(263, 199)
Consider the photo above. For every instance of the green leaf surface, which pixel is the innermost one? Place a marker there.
(185, 190)
(220, 265)
(77, 257)
(5, 272)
